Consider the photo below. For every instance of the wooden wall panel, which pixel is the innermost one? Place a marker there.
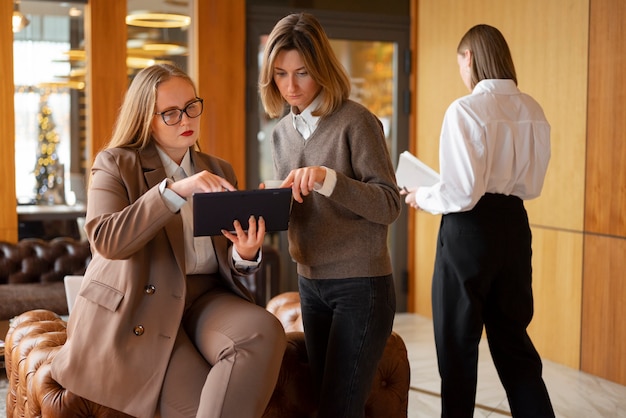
(604, 288)
(427, 227)
(606, 142)
(8, 200)
(107, 80)
(221, 76)
(557, 276)
(604, 310)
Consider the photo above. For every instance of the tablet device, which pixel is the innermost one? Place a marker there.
(213, 212)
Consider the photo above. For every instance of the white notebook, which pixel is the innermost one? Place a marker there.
(412, 172)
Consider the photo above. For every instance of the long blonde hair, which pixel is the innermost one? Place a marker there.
(132, 127)
(303, 32)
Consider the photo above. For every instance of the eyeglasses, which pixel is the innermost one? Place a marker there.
(192, 110)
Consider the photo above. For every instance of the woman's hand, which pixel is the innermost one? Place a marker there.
(410, 197)
(202, 182)
(247, 243)
(303, 181)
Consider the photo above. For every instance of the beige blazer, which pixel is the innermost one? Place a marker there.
(125, 320)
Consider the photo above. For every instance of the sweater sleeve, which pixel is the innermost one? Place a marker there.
(368, 187)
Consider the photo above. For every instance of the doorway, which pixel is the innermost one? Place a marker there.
(374, 48)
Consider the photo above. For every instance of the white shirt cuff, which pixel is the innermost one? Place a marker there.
(330, 181)
(243, 265)
(172, 200)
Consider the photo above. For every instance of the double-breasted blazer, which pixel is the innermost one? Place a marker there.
(124, 322)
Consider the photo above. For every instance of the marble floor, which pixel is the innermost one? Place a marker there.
(574, 394)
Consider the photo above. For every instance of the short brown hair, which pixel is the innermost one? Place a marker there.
(491, 57)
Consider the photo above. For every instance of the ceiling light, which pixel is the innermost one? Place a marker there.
(140, 47)
(75, 12)
(19, 20)
(137, 63)
(157, 20)
(76, 54)
(56, 85)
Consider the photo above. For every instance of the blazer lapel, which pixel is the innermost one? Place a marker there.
(154, 173)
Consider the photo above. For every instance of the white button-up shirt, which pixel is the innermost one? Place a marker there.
(495, 140)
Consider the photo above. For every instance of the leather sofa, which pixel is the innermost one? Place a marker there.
(32, 296)
(32, 272)
(35, 336)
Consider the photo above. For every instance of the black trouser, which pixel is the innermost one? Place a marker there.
(483, 276)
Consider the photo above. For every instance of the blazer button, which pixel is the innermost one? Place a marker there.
(149, 289)
(138, 330)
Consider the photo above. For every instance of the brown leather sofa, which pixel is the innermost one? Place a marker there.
(32, 272)
(34, 337)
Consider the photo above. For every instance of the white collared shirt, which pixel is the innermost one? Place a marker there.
(199, 252)
(306, 123)
(494, 140)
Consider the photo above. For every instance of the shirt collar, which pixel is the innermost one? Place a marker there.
(306, 115)
(170, 166)
(498, 86)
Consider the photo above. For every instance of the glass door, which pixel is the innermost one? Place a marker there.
(373, 50)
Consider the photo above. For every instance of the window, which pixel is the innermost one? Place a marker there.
(49, 85)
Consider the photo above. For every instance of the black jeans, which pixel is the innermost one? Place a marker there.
(346, 326)
(483, 276)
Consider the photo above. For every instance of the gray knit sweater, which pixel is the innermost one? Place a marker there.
(343, 235)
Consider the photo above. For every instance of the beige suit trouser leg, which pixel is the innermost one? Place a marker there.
(226, 359)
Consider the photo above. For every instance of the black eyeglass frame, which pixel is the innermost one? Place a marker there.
(181, 111)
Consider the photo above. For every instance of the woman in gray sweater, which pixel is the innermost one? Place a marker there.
(331, 151)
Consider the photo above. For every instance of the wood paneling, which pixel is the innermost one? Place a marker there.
(426, 229)
(606, 137)
(603, 310)
(557, 276)
(221, 67)
(8, 214)
(604, 288)
(107, 80)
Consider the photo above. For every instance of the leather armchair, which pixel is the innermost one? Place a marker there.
(35, 336)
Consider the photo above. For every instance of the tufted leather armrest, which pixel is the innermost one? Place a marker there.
(389, 396)
(286, 307)
(34, 338)
(34, 260)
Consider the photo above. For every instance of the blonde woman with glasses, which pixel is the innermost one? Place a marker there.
(162, 326)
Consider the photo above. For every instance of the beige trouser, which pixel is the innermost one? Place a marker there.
(226, 357)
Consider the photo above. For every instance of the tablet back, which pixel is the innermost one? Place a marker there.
(213, 212)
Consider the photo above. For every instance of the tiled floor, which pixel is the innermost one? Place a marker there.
(574, 394)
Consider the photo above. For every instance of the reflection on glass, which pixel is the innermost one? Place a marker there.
(370, 66)
(158, 35)
(49, 83)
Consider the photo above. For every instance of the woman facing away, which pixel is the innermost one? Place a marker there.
(493, 155)
(162, 324)
(332, 152)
